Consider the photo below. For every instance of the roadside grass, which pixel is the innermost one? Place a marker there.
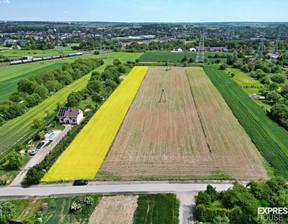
(157, 209)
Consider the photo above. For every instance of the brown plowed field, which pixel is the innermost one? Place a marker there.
(114, 210)
(193, 135)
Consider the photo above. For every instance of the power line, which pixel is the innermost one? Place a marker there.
(260, 49)
(201, 50)
(102, 47)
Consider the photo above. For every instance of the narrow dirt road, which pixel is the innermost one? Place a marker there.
(42, 153)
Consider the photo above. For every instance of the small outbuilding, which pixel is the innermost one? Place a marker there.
(68, 115)
(192, 49)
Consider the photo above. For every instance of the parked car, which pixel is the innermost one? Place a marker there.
(80, 182)
(40, 145)
(33, 152)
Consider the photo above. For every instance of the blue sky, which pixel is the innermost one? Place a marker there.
(145, 10)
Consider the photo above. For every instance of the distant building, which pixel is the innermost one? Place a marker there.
(179, 50)
(192, 49)
(273, 56)
(69, 115)
(213, 49)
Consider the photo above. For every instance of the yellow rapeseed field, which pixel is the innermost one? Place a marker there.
(83, 158)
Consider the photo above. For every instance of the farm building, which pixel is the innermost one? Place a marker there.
(69, 115)
(192, 49)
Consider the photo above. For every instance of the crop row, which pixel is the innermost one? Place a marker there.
(268, 136)
(173, 57)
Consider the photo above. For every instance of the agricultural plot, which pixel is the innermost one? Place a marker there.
(114, 210)
(20, 127)
(85, 155)
(119, 209)
(157, 209)
(268, 136)
(174, 57)
(192, 135)
(9, 77)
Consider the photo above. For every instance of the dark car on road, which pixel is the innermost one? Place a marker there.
(40, 145)
(80, 182)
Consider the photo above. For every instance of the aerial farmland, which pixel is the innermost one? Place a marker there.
(190, 135)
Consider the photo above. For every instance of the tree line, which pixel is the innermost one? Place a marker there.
(240, 203)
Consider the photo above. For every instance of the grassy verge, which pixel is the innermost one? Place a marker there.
(268, 136)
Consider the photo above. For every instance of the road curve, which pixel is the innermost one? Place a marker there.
(58, 190)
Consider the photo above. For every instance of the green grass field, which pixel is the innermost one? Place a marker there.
(157, 209)
(173, 57)
(10, 75)
(36, 53)
(8, 83)
(267, 135)
(250, 85)
(20, 127)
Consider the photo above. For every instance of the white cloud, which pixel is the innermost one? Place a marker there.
(4, 1)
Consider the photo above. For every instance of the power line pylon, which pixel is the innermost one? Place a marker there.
(163, 95)
(168, 69)
(275, 51)
(102, 48)
(260, 49)
(60, 44)
(201, 50)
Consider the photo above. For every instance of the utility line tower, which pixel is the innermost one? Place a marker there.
(275, 51)
(260, 49)
(167, 69)
(201, 50)
(60, 44)
(102, 47)
(162, 96)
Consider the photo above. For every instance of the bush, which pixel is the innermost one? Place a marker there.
(223, 66)
(278, 78)
(33, 176)
(14, 160)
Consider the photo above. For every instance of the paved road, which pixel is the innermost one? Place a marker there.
(41, 154)
(106, 188)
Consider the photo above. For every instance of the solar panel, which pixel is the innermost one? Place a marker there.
(62, 111)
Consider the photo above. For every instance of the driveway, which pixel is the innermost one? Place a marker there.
(40, 155)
